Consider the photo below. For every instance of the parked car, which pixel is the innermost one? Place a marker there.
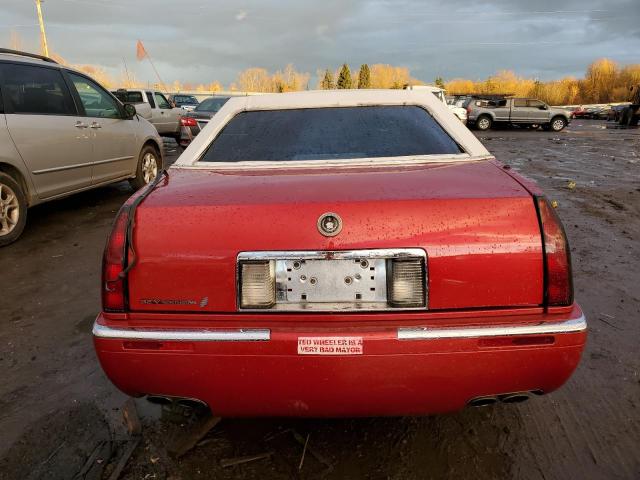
(616, 111)
(155, 107)
(517, 111)
(185, 102)
(601, 113)
(595, 112)
(61, 133)
(579, 112)
(630, 115)
(338, 253)
(192, 122)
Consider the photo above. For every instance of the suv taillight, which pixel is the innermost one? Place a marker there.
(558, 290)
(114, 264)
(188, 122)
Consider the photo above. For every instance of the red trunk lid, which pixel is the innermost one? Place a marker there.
(477, 224)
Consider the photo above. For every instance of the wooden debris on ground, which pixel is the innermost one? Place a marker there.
(314, 453)
(185, 439)
(304, 450)
(93, 467)
(131, 418)
(230, 462)
(122, 462)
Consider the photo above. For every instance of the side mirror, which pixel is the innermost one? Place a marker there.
(129, 111)
(543, 107)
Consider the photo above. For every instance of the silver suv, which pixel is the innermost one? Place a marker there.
(62, 133)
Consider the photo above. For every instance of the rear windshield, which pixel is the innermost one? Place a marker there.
(330, 133)
(185, 99)
(128, 97)
(211, 104)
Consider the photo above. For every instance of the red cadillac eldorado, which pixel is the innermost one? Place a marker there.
(338, 253)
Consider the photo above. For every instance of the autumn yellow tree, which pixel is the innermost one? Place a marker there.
(389, 76)
(260, 80)
(600, 80)
(604, 82)
(289, 80)
(209, 87)
(254, 80)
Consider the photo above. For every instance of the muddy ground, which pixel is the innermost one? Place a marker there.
(59, 415)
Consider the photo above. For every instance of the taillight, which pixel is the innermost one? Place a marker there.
(258, 284)
(406, 282)
(188, 122)
(114, 264)
(557, 257)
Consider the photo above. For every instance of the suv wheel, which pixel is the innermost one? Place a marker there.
(483, 123)
(558, 123)
(13, 210)
(149, 164)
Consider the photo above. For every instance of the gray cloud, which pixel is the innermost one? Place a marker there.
(201, 41)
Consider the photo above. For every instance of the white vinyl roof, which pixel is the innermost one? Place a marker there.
(474, 150)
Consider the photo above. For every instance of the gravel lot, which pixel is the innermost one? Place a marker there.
(57, 408)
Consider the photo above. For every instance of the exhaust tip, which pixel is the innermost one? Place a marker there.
(515, 397)
(191, 403)
(159, 400)
(482, 401)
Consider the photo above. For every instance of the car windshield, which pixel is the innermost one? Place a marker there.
(330, 133)
(128, 97)
(189, 99)
(211, 104)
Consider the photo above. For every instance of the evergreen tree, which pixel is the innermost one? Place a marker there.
(344, 79)
(439, 82)
(364, 77)
(327, 82)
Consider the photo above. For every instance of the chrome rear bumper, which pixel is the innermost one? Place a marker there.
(263, 334)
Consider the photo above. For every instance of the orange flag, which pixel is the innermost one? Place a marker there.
(140, 51)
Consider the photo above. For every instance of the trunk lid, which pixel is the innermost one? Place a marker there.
(477, 224)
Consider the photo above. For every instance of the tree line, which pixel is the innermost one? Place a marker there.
(376, 76)
(604, 81)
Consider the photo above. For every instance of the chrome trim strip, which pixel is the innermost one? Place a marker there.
(429, 333)
(79, 165)
(333, 254)
(239, 335)
(60, 169)
(109, 160)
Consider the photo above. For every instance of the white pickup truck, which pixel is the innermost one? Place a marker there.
(461, 113)
(154, 106)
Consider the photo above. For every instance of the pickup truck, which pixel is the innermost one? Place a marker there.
(516, 111)
(153, 106)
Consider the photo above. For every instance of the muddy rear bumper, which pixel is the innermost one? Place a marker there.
(398, 371)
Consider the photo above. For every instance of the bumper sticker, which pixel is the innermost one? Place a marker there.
(329, 345)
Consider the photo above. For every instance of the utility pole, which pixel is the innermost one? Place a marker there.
(43, 34)
(126, 71)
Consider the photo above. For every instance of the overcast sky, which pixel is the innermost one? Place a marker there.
(201, 41)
